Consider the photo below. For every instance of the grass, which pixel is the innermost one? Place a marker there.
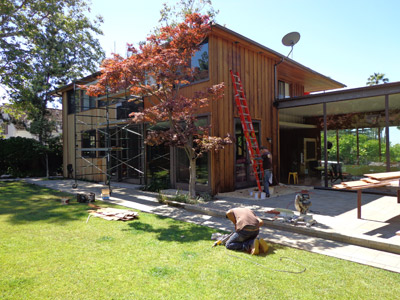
(48, 251)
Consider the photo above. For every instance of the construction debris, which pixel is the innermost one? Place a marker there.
(64, 200)
(114, 214)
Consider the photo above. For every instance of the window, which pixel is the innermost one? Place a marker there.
(283, 90)
(88, 141)
(101, 137)
(126, 107)
(244, 170)
(87, 102)
(182, 163)
(199, 62)
(71, 104)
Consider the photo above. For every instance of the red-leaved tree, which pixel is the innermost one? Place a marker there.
(157, 71)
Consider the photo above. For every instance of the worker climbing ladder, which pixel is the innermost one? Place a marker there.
(248, 129)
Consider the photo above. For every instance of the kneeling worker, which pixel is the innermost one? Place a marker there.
(247, 227)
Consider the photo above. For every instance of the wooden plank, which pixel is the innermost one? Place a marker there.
(384, 176)
(370, 180)
(358, 183)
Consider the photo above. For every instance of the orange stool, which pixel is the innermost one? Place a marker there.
(295, 177)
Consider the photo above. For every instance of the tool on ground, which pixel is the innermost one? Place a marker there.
(248, 129)
(302, 204)
(221, 239)
(85, 197)
(64, 200)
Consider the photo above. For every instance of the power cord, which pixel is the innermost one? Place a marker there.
(276, 270)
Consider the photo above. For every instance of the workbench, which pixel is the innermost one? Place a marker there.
(376, 180)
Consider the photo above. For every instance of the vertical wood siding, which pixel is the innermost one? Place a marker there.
(257, 74)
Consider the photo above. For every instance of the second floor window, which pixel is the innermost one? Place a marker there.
(283, 90)
(71, 103)
(87, 102)
(199, 62)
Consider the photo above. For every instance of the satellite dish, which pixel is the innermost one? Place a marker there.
(291, 39)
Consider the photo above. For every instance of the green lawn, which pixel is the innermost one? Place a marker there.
(48, 251)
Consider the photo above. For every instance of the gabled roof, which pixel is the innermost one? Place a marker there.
(288, 69)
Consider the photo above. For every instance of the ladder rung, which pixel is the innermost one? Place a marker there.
(247, 124)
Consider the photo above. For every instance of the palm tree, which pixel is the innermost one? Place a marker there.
(377, 78)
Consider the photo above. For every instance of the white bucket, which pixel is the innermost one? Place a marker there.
(259, 195)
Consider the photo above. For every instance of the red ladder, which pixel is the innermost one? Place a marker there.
(248, 129)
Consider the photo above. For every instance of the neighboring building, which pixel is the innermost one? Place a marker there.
(296, 128)
(17, 128)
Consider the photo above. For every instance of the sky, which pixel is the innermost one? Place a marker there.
(345, 40)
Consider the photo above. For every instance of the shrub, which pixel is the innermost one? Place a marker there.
(22, 157)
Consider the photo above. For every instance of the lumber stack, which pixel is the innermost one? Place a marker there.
(371, 181)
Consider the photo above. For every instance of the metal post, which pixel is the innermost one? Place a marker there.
(325, 145)
(108, 163)
(75, 185)
(387, 133)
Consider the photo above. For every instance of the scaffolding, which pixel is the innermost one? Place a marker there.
(108, 146)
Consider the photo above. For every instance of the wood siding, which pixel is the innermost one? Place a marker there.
(256, 67)
(257, 74)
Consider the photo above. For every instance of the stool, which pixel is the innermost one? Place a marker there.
(295, 177)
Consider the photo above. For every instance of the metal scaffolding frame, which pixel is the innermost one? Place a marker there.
(114, 131)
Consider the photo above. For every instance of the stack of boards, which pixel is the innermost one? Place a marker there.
(371, 181)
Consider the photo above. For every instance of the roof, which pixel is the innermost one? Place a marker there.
(286, 68)
(378, 90)
(289, 69)
(82, 80)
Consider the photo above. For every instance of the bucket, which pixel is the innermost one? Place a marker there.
(105, 194)
(259, 195)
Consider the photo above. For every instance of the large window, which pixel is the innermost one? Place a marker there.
(89, 141)
(182, 161)
(394, 132)
(199, 63)
(244, 171)
(87, 102)
(71, 103)
(127, 107)
(356, 132)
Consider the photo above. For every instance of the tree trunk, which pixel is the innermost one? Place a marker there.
(47, 165)
(192, 178)
(192, 168)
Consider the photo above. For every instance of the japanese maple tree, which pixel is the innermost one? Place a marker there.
(157, 70)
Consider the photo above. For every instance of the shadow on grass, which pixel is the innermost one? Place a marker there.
(30, 203)
(181, 233)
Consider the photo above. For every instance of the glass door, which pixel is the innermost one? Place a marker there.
(244, 175)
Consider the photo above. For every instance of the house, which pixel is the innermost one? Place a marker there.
(292, 112)
(12, 127)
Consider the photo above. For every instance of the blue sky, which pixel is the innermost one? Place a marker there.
(345, 40)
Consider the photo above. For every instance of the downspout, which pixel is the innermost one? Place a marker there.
(276, 79)
(277, 144)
